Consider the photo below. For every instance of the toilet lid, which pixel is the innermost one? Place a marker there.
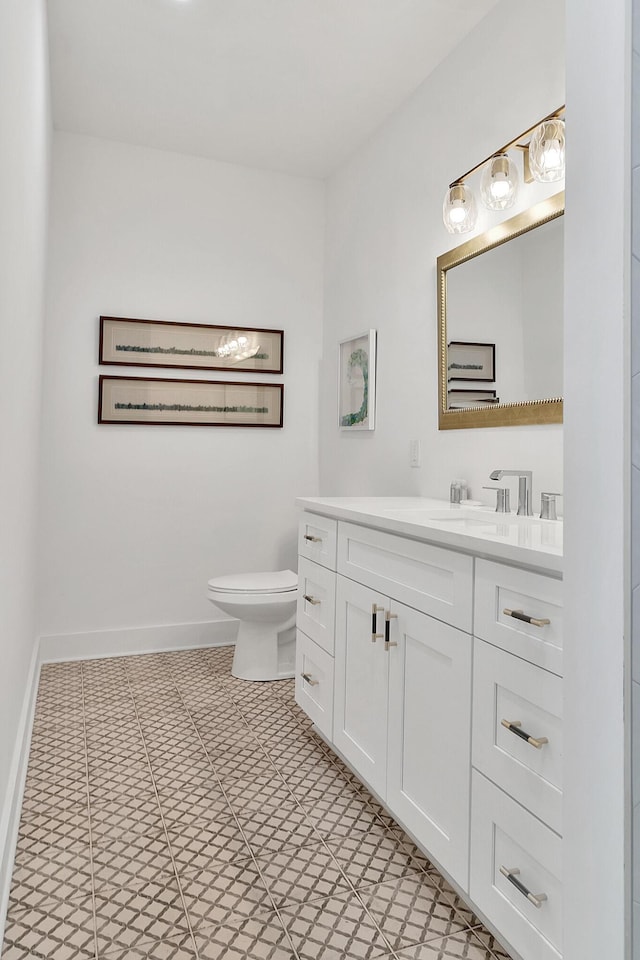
(279, 581)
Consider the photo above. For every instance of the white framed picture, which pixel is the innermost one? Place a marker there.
(357, 382)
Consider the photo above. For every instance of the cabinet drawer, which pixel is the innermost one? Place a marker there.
(314, 683)
(316, 613)
(317, 539)
(500, 588)
(427, 578)
(504, 835)
(507, 688)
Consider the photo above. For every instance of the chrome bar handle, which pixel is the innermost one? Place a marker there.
(515, 726)
(521, 615)
(388, 617)
(308, 536)
(375, 609)
(537, 899)
(309, 679)
(313, 600)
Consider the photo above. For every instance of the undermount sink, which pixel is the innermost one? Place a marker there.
(458, 517)
(462, 517)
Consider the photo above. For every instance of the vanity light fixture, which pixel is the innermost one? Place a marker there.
(459, 210)
(543, 160)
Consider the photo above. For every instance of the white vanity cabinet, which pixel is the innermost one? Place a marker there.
(442, 673)
(402, 715)
(402, 678)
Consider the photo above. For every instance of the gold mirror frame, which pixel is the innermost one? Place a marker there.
(502, 414)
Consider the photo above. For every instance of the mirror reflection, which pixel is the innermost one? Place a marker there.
(501, 323)
(510, 299)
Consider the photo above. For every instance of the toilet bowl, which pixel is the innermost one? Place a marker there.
(265, 605)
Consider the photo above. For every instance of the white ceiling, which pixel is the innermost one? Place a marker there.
(290, 85)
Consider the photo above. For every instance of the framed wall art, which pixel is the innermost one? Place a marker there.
(460, 399)
(471, 361)
(357, 382)
(160, 343)
(206, 403)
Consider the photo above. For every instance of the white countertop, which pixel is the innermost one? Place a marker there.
(526, 541)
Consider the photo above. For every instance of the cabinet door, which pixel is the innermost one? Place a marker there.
(428, 784)
(361, 683)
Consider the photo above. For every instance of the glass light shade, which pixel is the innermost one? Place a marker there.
(546, 151)
(499, 185)
(459, 210)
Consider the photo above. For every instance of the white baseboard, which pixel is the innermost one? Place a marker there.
(85, 646)
(135, 640)
(10, 813)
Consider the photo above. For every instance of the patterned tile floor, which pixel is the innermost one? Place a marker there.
(172, 812)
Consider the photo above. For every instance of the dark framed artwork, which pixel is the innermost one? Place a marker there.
(194, 346)
(471, 361)
(203, 403)
(459, 399)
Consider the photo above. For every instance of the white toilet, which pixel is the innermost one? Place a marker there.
(265, 605)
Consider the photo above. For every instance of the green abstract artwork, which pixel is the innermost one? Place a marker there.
(357, 382)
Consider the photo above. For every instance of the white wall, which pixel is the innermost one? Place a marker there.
(24, 162)
(384, 233)
(484, 304)
(543, 310)
(136, 519)
(597, 259)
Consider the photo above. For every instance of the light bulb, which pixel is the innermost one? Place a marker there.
(499, 189)
(546, 151)
(499, 185)
(459, 210)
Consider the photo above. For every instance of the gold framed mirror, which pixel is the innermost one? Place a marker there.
(500, 323)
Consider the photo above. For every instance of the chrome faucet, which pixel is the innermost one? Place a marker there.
(524, 488)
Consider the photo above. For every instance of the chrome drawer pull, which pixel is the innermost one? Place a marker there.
(308, 536)
(312, 600)
(515, 727)
(374, 624)
(521, 615)
(537, 899)
(388, 617)
(309, 679)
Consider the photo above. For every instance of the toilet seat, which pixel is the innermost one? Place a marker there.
(274, 582)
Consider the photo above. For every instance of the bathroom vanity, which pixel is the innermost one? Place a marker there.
(429, 655)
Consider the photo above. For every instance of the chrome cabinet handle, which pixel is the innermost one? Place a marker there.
(374, 622)
(308, 536)
(388, 617)
(537, 899)
(309, 679)
(516, 727)
(521, 615)
(312, 600)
